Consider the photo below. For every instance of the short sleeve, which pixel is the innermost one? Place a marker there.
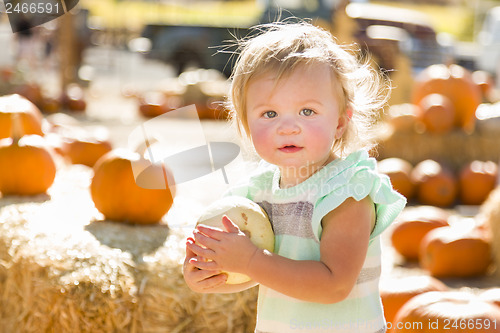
(255, 184)
(358, 180)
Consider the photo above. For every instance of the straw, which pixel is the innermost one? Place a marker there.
(455, 148)
(63, 269)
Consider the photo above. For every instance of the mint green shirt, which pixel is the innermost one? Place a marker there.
(296, 215)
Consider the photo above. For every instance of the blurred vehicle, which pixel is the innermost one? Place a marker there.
(483, 53)
(412, 30)
(382, 30)
(184, 45)
(209, 46)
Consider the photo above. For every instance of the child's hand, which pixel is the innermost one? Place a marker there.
(200, 280)
(229, 250)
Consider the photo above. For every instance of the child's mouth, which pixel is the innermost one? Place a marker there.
(290, 149)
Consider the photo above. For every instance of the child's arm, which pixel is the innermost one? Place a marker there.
(208, 281)
(344, 243)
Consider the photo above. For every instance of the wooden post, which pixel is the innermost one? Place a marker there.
(67, 51)
(343, 27)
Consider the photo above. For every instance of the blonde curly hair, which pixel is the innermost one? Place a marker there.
(281, 47)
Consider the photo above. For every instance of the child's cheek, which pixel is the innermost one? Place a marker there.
(321, 138)
(262, 140)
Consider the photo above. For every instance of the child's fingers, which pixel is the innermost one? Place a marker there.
(205, 240)
(196, 274)
(203, 279)
(192, 249)
(211, 232)
(203, 274)
(199, 251)
(189, 252)
(213, 281)
(229, 225)
(203, 264)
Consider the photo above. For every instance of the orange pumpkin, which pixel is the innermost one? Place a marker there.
(31, 91)
(454, 82)
(212, 109)
(477, 179)
(435, 184)
(7, 73)
(411, 227)
(153, 103)
(455, 252)
(403, 117)
(436, 113)
(118, 197)
(30, 115)
(85, 151)
(396, 291)
(28, 167)
(446, 311)
(74, 98)
(399, 172)
(50, 105)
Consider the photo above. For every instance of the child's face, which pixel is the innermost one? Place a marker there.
(294, 123)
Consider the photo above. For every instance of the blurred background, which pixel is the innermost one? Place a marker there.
(134, 45)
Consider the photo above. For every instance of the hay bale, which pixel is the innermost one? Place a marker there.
(455, 148)
(64, 270)
(489, 214)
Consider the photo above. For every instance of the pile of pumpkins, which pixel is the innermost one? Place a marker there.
(444, 98)
(29, 149)
(423, 233)
(72, 99)
(446, 246)
(433, 183)
(444, 249)
(205, 88)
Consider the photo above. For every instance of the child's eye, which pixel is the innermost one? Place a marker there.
(306, 112)
(270, 114)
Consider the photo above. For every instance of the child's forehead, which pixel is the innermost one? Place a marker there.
(278, 75)
(317, 74)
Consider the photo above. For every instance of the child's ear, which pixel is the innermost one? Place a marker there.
(343, 122)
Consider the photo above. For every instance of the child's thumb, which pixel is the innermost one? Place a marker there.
(229, 225)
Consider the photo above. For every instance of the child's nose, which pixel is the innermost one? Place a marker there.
(288, 126)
